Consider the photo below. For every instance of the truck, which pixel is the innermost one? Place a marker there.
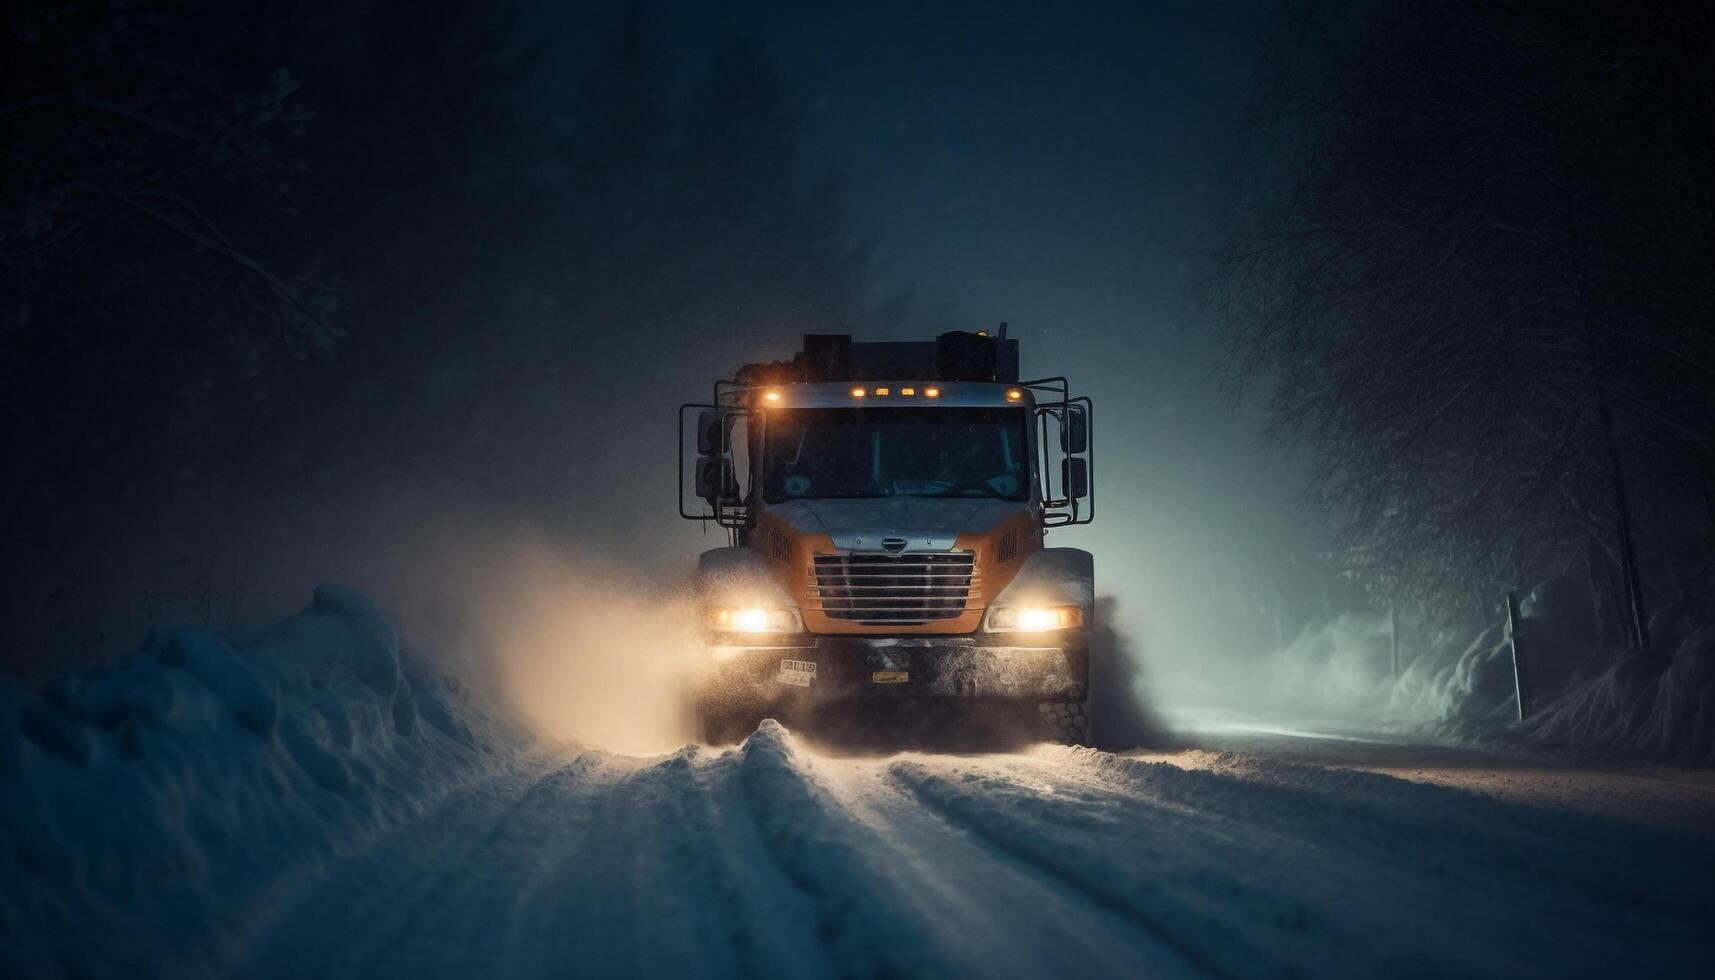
(886, 507)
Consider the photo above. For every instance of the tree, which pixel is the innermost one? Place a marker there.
(145, 304)
(1441, 288)
(121, 161)
(421, 172)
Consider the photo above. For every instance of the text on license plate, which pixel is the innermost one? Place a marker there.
(798, 673)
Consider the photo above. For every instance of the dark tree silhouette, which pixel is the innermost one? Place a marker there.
(1487, 316)
(504, 262)
(120, 162)
(145, 302)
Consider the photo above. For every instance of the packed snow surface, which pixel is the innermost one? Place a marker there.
(311, 805)
(772, 860)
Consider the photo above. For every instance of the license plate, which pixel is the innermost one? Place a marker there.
(798, 673)
(890, 676)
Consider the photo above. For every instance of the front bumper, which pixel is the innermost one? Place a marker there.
(991, 666)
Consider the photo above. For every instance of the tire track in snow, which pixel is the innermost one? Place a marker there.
(751, 917)
(1528, 884)
(1338, 873)
(660, 886)
(430, 898)
(1015, 919)
(903, 892)
(1376, 813)
(1080, 840)
(830, 859)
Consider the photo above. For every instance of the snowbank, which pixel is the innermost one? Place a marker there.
(155, 813)
(1661, 707)
(1659, 704)
(1461, 677)
(1459, 685)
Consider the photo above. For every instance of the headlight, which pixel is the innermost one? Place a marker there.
(754, 620)
(1033, 619)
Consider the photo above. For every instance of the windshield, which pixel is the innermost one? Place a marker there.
(815, 453)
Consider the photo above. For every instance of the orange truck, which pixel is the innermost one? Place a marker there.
(887, 505)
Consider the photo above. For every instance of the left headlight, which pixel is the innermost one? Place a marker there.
(754, 619)
(1032, 619)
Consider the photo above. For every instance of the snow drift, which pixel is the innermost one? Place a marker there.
(1459, 684)
(1651, 705)
(154, 811)
(1659, 703)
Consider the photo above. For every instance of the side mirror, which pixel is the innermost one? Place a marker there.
(712, 427)
(1075, 477)
(1075, 436)
(715, 479)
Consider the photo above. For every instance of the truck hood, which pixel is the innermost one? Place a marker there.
(926, 523)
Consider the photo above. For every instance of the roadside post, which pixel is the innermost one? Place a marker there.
(1521, 678)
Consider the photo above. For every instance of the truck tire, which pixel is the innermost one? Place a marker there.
(1064, 722)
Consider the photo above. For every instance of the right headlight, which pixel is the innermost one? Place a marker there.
(1032, 619)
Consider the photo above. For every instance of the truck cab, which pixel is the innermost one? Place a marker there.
(887, 506)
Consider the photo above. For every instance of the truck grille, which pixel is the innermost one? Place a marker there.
(908, 590)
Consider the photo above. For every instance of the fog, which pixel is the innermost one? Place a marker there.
(408, 299)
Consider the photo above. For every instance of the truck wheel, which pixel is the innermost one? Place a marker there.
(1064, 723)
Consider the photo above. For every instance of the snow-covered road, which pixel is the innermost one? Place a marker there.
(773, 859)
(312, 803)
